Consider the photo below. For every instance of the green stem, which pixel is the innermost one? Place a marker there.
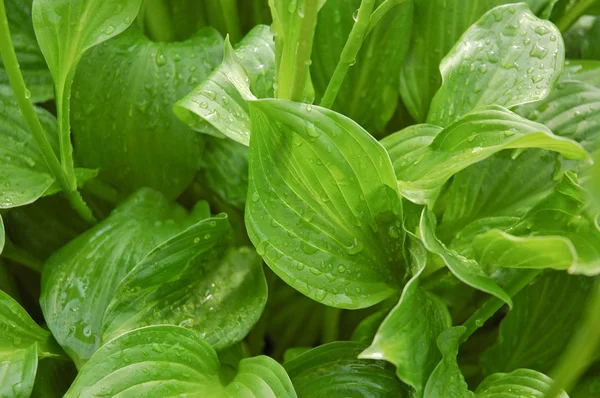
(159, 26)
(231, 16)
(580, 351)
(304, 50)
(487, 310)
(349, 53)
(19, 256)
(580, 7)
(381, 11)
(331, 324)
(22, 95)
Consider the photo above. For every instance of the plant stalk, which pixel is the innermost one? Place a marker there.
(304, 50)
(331, 324)
(573, 15)
(349, 52)
(23, 97)
(487, 310)
(158, 25)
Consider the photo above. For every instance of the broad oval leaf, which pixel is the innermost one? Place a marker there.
(422, 171)
(17, 372)
(521, 383)
(508, 57)
(537, 330)
(33, 66)
(333, 370)
(193, 280)
(132, 135)
(173, 361)
(79, 280)
(323, 209)
(215, 107)
(583, 70)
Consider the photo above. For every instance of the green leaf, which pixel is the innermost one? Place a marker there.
(173, 361)
(585, 71)
(508, 57)
(33, 66)
(137, 141)
(446, 379)
(64, 31)
(2, 233)
(407, 336)
(193, 280)
(323, 209)
(370, 92)
(333, 370)
(522, 383)
(462, 241)
(422, 171)
(588, 387)
(80, 279)
(560, 223)
(435, 30)
(467, 270)
(215, 107)
(580, 39)
(53, 378)
(537, 330)
(17, 372)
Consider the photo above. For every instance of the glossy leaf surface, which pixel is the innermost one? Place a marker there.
(522, 383)
(323, 209)
(169, 361)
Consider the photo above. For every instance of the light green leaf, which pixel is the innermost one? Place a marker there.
(216, 107)
(17, 372)
(33, 66)
(446, 379)
(333, 370)
(173, 361)
(82, 176)
(80, 279)
(370, 92)
(508, 57)
(422, 171)
(137, 141)
(465, 269)
(193, 280)
(522, 383)
(583, 70)
(462, 241)
(323, 209)
(537, 330)
(407, 336)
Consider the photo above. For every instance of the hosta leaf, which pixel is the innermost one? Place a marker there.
(215, 107)
(173, 361)
(436, 28)
(369, 94)
(64, 31)
(522, 383)
(583, 70)
(422, 171)
(194, 281)
(323, 209)
(446, 379)
(508, 57)
(132, 135)
(17, 372)
(562, 216)
(53, 378)
(463, 240)
(588, 387)
(465, 269)
(537, 330)
(333, 370)
(580, 39)
(79, 280)
(367, 328)
(33, 66)
(407, 336)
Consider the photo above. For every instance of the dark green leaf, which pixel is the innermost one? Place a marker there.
(323, 208)
(367, 329)
(537, 330)
(79, 280)
(580, 39)
(588, 387)
(172, 361)
(446, 379)
(333, 370)
(132, 134)
(53, 378)
(33, 66)
(193, 280)
(509, 57)
(522, 383)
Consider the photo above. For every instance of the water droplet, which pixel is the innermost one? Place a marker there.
(110, 29)
(355, 15)
(160, 59)
(538, 51)
(341, 269)
(483, 68)
(537, 78)
(196, 240)
(542, 30)
(27, 94)
(300, 267)
(356, 247)
(307, 248)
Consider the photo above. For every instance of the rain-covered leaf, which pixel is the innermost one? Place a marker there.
(17, 372)
(172, 361)
(508, 57)
(33, 66)
(79, 280)
(323, 209)
(123, 124)
(521, 383)
(586, 71)
(196, 281)
(215, 107)
(537, 330)
(333, 370)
